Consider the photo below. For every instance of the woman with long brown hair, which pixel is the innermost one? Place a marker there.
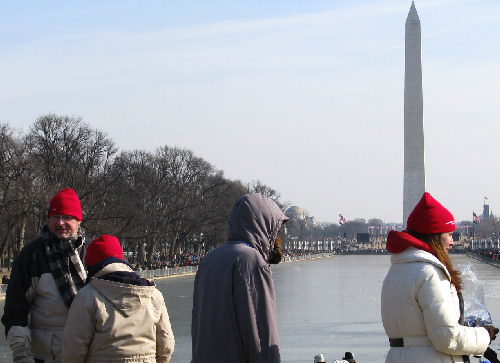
(422, 309)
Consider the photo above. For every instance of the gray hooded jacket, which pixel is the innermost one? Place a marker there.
(234, 303)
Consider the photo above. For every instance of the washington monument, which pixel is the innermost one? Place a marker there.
(414, 162)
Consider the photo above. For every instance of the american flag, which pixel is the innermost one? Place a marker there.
(476, 218)
(342, 220)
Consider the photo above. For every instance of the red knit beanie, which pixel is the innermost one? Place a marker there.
(429, 216)
(102, 247)
(67, 203)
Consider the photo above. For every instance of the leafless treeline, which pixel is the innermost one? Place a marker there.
(154, 202)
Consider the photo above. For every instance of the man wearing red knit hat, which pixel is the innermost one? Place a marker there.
(46, 276)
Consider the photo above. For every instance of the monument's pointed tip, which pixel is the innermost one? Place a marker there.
(412, 14)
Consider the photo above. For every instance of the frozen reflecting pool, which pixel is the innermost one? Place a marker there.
(327, 306)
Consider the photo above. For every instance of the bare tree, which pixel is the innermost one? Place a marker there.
(163, 202)
(66, 152)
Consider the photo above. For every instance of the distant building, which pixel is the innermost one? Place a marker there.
(299, 221)
(295, 213)
(298, 214)
(486, 212)
(311, 221)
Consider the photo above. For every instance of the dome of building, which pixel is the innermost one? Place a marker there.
(295, 212)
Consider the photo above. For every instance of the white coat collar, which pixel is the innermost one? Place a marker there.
(412, 254)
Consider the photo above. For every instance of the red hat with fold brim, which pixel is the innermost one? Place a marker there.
(429, 216)
(65, 202)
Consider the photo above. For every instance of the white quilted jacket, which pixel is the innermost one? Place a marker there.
(420, 305)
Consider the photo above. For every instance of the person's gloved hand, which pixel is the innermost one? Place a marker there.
(491, 355)
(492, 331)
(276, 255)
(19, 340)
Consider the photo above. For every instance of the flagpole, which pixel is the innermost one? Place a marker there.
(473, 233)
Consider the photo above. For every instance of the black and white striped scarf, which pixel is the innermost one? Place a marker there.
(65, 263)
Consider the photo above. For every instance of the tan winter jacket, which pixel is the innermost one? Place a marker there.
(117, 322)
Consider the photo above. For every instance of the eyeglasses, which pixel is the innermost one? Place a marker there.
(63, 218)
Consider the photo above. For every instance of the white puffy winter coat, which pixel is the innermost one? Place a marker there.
(420, 305)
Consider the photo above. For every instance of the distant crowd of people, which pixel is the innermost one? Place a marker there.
(183, 259)
(73, 300)
(163, 261)
(364, 251)
(490, 253)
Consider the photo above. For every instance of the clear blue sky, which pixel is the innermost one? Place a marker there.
(306, 96)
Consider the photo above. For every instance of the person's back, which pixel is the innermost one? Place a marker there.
(227, 281)
(234, 304)
(118, 316)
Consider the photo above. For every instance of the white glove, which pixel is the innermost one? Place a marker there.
(19, 339)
